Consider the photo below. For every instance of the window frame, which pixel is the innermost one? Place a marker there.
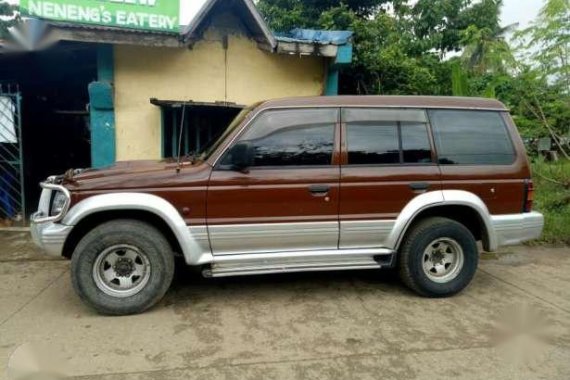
(251, 123)
(345, 149)
(502, 114)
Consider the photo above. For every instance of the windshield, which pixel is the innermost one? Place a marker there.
(217, 141)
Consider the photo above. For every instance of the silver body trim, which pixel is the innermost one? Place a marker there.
(259, 270)
(297, 261)
(50, 237)
(200, 235)
(237, 239)
(517, 228)
(365, 233)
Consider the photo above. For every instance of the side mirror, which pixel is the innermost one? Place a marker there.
(242, 155)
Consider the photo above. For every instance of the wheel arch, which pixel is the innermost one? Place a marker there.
(147, 207)
(97, 218)
(462, 206)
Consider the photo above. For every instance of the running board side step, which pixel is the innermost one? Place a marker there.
(300, 261)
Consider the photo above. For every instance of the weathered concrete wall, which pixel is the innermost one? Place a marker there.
(200, 74)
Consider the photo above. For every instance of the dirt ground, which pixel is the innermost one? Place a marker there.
(513, 322)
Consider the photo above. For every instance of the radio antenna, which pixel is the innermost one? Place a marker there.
(180, 139)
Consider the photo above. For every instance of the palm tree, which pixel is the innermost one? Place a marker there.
(486, 48)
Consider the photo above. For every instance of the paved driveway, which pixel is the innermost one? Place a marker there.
(513, 322)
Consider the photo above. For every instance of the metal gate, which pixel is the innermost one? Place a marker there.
(12, 196)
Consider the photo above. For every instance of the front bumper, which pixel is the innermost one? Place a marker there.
(50, 237)
(517, 228)
(47, 231)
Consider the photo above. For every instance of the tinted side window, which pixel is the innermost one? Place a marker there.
(295, 137)
(386, 136)
(373, 143)
(471, 137)
(415, 143)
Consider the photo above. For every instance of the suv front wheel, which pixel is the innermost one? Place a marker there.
(438, 258)
(122, 267)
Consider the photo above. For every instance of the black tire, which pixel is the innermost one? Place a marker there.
(138, 234)
(412, 257)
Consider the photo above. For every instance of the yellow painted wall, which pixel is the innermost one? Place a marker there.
(142, 73)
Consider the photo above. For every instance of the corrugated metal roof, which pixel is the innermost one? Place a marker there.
(67, 25)
(322, 37)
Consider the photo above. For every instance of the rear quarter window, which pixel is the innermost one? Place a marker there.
(465, 137)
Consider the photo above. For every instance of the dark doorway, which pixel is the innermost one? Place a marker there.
(54, 110)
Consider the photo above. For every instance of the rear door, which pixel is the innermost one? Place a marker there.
(387, 160)
(288, 200)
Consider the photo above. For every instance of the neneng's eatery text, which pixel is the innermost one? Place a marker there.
(158, 15)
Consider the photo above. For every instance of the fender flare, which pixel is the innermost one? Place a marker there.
(156, 205)
(435, 199)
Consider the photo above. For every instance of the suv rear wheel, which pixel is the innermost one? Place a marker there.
(438, 258)
(122, 267)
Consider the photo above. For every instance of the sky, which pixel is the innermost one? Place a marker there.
(521, 11)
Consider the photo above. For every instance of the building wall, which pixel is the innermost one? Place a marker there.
(200, 74)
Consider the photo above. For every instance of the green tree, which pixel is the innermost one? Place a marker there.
(9, 11)
(487, 49)
(284, 15)
(548, 40)
(399, 45)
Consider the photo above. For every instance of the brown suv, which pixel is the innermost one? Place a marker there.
(305, 184)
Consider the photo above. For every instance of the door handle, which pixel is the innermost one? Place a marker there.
(319, 190)
(419, 186)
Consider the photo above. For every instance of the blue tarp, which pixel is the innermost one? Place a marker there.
(334, 37)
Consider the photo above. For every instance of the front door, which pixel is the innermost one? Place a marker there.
(387, 161)
(288, 199)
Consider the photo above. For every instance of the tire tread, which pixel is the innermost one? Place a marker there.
(131, 305)
(406, 254)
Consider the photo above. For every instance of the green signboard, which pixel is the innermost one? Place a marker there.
(158, 15)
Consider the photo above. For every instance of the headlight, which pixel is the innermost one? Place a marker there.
(58, 203)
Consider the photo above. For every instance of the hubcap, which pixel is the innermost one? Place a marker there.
(121, 271)
(443, 260)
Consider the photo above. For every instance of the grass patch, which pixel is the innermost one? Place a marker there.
(552, 198)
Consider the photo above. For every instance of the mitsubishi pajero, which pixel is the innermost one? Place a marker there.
(302, 184)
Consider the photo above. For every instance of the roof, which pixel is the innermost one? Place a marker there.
(35, 34)
(323, 37)
(62, 31)
(389, 101)
(245, 8)
(63, 24)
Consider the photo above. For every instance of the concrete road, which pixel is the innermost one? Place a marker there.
(513, 322)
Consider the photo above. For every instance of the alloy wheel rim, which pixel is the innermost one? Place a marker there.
(121, 271)
(443, 260)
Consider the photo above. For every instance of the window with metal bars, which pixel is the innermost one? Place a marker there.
(202, 125)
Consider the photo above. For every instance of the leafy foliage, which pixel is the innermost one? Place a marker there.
(400, 46)
(7, 9)
(449, 47)
(552, 197)
(548, 40)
